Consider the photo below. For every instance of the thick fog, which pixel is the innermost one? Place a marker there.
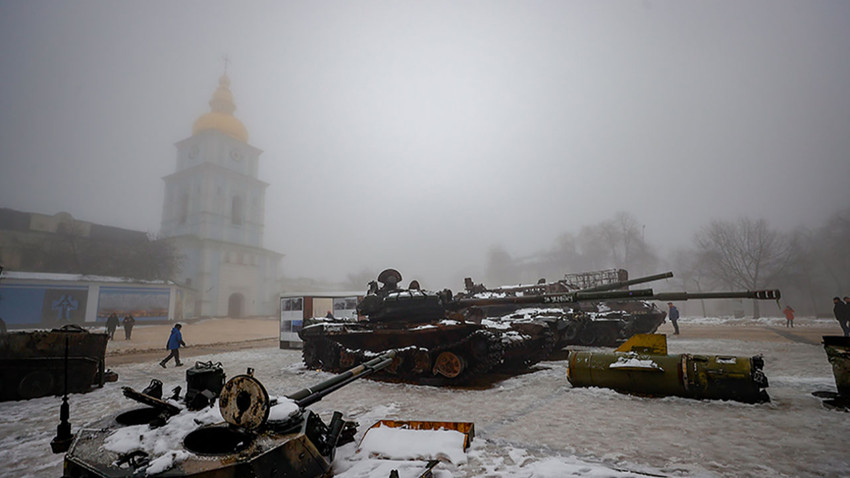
(417, 135)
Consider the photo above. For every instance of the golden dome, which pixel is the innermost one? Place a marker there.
(221, 117)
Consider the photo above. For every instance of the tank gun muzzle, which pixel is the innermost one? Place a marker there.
(770, 294)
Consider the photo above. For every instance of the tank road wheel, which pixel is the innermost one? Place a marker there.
(421, 361)
(570, 331)
(35, 384)
(449, 365)
(606, 337)
(347, 359)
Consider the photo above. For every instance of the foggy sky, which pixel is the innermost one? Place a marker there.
(418, 135)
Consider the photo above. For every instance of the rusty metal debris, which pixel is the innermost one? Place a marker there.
(254, 440)
(32, 364)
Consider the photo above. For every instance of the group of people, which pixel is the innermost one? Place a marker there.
(112, 324)
(841, 309)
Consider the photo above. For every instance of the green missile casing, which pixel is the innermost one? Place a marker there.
(639, 369)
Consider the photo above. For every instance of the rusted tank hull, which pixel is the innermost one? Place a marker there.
(32, 364)
(436, 354)
(215, 451)
(164, 440)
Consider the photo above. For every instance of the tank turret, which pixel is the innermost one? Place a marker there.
(260, 435)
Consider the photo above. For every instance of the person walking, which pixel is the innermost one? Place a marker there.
(842, 314)
(674, 317)
(789, 316)
(111, 325)
(128, 322)
(175, 340)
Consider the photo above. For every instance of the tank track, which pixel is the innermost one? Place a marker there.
(537, 343)
(482, 350)
(321, 353)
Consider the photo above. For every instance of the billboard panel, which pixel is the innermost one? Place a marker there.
(145, 303)
(45, 306)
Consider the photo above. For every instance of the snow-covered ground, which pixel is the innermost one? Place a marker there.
(532, 425)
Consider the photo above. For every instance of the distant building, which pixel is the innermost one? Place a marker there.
(47, 300)
(58, 270)
(214, 212)
(35, 242)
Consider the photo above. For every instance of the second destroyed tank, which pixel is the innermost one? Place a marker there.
(439, 339)
(604, 321)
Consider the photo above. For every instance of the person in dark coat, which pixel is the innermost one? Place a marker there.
(842, 314)
(111, 325)
(2, 326)
(175, 340)
(128, 323)
(674, 317)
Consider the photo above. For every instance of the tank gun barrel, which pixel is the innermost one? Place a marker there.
(626, 283)
(564, 298)
(311, 395)
(770, 294)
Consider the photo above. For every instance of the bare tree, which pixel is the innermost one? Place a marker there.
(690, 273)
(745, 254)
(619, 243)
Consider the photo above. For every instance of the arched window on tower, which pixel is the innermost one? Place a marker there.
(236, 212)
(183, 209)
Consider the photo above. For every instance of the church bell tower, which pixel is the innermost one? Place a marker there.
(214, 211)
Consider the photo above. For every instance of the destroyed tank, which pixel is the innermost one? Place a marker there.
(588, 322)
(440, 339)
(260, 435)
(32, 363)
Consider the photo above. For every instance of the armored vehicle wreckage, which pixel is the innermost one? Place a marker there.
(608, 322)
(260, 436)
(443, 340)
(32, 363)
(592, 323)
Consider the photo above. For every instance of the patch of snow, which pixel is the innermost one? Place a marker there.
(405, 444)
(283, 409)
(161, 442)
(632, 361)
